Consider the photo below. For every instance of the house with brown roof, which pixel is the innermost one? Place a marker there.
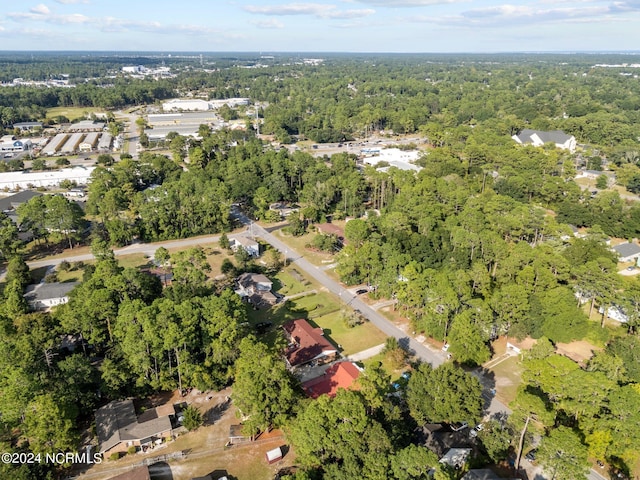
(307, 344)
(118, 427)
(138, 473)
(337, 376)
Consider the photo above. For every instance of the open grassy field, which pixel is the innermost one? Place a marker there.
(298, 244)
(72, 113)
(289, 282)
(352, 340)
(323, 311)
(508, 378)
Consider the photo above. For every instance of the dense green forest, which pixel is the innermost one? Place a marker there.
(475, 245)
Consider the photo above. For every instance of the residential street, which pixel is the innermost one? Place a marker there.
(425, 353)
(434, 357)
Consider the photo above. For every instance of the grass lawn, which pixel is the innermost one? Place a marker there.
(298, 244)
(381, 358)
(310, 306)
(133, 260)
(290, 282)
(72, 113)
(508, 378)
(352, 340)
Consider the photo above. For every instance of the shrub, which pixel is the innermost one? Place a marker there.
(131, 450)
(114, 456)
(51, 277)
(64, 266)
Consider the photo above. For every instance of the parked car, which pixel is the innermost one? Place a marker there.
(445, 347)
(361, 291)
(474, 431)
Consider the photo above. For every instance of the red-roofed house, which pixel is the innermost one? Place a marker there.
(307, 344)
(339, 375)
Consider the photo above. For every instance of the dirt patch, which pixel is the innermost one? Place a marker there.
(579, 352)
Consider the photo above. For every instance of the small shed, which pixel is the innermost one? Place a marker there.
(274, 455)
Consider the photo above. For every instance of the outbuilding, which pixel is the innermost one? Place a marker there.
(274, 455)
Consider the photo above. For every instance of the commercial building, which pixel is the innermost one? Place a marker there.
(89, 142)
(104, 144)
(9, 143)
(71, 145)
(186, 105)
(50, 178)
(55, 144)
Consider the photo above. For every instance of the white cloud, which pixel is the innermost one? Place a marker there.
(318, 10)
(71, 2)
(506, 15)
(41, 9)
(49, 17)
(270, 23)
(42, 14)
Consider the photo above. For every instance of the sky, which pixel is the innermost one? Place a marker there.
(266, 26)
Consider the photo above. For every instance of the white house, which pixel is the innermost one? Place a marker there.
(627, 251)
(46, 295)
(538, 138)
(615, 313)
(251, 246)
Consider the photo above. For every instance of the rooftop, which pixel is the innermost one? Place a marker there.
(339, 375)
(48, 291)
(11, 202)
(117, 422)
(627, 249)
(309, 343)
(138, 473)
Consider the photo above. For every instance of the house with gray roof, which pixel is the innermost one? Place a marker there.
(43, 296)
(627, 251)
(118, 427)
(538, 138)
(12, 202)
(250, 246)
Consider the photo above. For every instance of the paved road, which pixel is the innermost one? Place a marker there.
(493, 407)
(434, 357)
(148, 249)
(131, 133)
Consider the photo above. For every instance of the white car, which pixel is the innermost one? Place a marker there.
(474, 431)
(445, 347)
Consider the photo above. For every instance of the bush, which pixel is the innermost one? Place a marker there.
(51, 277)
(131, 450)
(77, 265)
(64, 266)
(114, 456)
